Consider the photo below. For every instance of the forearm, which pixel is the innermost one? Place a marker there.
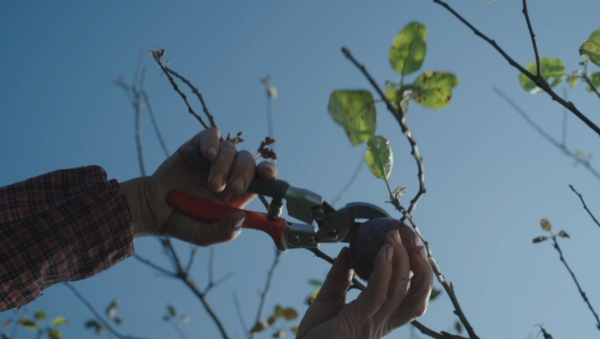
(62, 226)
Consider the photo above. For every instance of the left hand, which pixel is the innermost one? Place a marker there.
(382, 307)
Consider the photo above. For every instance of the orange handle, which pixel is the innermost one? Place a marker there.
(210, 212)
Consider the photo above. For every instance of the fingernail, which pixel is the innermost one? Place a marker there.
(396, 237)
(238, 185)
(217, 181)
(238, 224)
(389, 253)
(423, 254)
(211, 153)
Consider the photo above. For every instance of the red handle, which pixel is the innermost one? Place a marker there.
(210, 212)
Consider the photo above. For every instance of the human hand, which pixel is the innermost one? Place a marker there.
(382, 307)
(231, 173)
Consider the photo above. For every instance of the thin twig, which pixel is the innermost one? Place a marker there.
(350, 182)
(154, 266)
(17, 327)
(585, 206)
(540, 82)
(163, 145)
(565, 119)
(591, 84)
(193, 253)
(96, 314)
(583, 295)
(157, 54)
(210, 117)
(238, 310)
(533, 42)
(548, 137)
(211, 312)
(401, 118)
(265, 293)
(178, 330)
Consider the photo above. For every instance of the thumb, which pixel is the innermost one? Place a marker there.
(222, 231)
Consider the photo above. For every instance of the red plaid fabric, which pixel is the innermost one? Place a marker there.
(61, 226)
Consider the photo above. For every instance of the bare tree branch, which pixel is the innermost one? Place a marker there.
(158, 54)
(96, 314)
(585, 205)
(560, 146)
(154, 266)
(265, 293)
(583, 295)
(533, 42)
(155, 124)
(401, 117)
(210, 117)
(545, 333)
(238, 310)
(540, 82)
(350, 182)
(193, 253)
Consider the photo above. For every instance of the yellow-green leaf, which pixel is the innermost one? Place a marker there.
(28, 324)
(434, 89)
(271, 320)
(171, 310)
(294, 329)
(278, 311)
(259, 327)
(7, 323)
(553, 71)
(54, 334)
(379, 157)
(40, 315)
(391, 92)
(315, 282)
(595, 79)
(434, 294)
(546, 225)
(59, 321)
(355, 111)
(112, 308)
(591, 48)
(280, 334)
(290, 314)
(312, 297)
(573, 79)
(409, 49)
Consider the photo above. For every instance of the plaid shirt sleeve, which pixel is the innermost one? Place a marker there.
(62, 226)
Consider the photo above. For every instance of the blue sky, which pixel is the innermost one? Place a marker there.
(490, 178)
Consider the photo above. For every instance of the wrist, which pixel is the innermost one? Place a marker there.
(134, 192)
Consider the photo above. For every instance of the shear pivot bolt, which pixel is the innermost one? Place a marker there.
(295, 239)
(311, 240)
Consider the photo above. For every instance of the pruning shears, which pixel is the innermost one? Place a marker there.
(308, 207)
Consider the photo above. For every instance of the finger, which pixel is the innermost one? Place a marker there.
(221, 166)
(267, 170)
(416, 301)
(242, 172)
(338, 279)
(209, 143)
(400, 278)
(371, 299)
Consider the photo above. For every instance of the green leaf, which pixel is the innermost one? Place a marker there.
(28, 324)
(391, 92)
(259, 327)
(92, 324)
(271, 320)
(539, 239)
(595, 79)
(54, 334)
(379, 157)
(573, 79)
(591, 48)
(355, 111)
(552, 69)
(434, 294)
(118, 320)
(112, 308)
(458, 327)
(280, 334)
(434, 89)
(40, 315)
(7, 323)
(171, 310)
(59, 321)
(278, 311)
(294, 329)
(409, 49)
(290, 314)
(315, 282)
(311, 298)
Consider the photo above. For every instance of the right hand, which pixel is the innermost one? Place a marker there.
(382, 307)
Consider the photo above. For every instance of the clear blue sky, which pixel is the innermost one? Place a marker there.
(490, 178)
